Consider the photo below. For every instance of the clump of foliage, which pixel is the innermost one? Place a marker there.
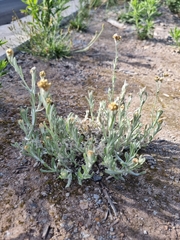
(175, 34)
(78, 22)
(174, 5)
(3, 63)
(46, 38)
(141, 14)
(110, 137)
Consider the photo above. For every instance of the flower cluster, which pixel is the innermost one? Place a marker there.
(116, 37)
(9, 52)
(113, 106)
(43, 83)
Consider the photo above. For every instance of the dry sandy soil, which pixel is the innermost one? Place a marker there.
(34, 205)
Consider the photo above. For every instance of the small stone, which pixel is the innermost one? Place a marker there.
(85, 234)
(83, 204)
(24, 161)
(45, 231)
(145, 232)
(97, 178)
(67, 194)
(44, 194)
(96, 197)
(154, 213)
(166, 227)
(146, 199)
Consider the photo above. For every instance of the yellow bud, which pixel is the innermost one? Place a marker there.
(116, 37)
(90, 153)
(9, 52)
(44, 84)
(33, 69)
(122, 107)
(158, 79)
(41, 125)
(160, 120)
(20, 121)
(113, 106)
(42, 74)
(135, 160)
(48, 100)
(26, 147)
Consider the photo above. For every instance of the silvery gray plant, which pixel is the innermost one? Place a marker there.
(70, 146)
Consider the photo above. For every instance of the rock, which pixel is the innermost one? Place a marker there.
(67, 194)
(45, 231)
(96, 197)
(154, 213)
(145, 232)
(44, 194)
(84, 204)
(166, 227)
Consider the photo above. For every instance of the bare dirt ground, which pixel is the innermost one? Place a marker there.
(34, 205)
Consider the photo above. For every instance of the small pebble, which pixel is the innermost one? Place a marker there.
(145, 232)
(166, 228)
(67, 194)
(111, 229)
(96, 196)
(154, 213)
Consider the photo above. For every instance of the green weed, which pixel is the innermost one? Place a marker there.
(174, 5)
(79, 22)
(175, 34)
(3, 63)
(141, 14)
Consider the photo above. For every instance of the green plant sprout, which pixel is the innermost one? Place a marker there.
(110, 137)
(173, 5)
(3, 63)
(175, 34)
(142, 14)
(47, 39)
(78, 22)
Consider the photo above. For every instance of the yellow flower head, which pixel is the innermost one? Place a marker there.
(90, 153)
(9, 52)
(33, 69)
(116, 37)
(20, 121)
(48, 100)
(158, 79)
(122, 107)
(113, 106)
(135, 160)
(41, 125)
(44, 84)
(160, 120)
(42, 74)
(26, 148)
